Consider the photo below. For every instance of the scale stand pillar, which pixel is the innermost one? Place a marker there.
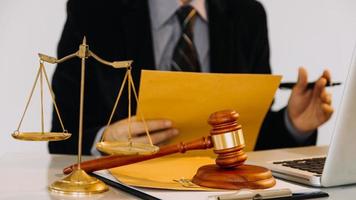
(79, 182)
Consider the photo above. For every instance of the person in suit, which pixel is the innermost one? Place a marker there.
(230, 37)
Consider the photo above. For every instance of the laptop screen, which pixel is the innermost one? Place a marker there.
(340, 165)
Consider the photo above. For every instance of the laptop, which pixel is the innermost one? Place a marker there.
(338, 167)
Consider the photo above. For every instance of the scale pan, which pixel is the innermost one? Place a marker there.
(41, 136)
(126, 148)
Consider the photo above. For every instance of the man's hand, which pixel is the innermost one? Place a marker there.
(160, 130)
(309, 108)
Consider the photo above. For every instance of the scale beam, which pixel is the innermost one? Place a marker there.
(85, 53)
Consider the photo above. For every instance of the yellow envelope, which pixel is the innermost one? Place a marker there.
(189, 98)
(163, 173)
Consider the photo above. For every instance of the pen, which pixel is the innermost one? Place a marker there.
(290, 85)
(274, 194)
(248, 194)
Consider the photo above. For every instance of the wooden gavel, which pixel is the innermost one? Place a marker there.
(226, 138)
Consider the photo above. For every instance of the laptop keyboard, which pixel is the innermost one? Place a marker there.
(314, 165)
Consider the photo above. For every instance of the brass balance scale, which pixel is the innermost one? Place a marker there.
(79, 182)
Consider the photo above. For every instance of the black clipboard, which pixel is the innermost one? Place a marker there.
(307, 195)
(125, 188)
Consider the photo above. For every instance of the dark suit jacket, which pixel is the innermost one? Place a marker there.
(121, 30)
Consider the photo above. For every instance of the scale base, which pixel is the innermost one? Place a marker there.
(244, 176)
(78, 183)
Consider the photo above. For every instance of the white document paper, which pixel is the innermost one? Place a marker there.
(198, 195)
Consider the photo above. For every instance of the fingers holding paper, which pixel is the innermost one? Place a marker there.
(160, 130)
(310, 108)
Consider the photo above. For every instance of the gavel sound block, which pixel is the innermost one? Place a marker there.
(229, 172)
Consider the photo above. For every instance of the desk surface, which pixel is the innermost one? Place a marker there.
(26, 176)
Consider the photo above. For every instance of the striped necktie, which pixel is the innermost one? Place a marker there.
(185, 56)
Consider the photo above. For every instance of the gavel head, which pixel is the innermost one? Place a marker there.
(227, 138)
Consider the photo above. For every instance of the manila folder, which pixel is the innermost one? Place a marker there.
(189, 98)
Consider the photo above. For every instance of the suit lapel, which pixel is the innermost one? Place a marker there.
(138, 35)
(225, 38)
(137, 39)
(217, 31)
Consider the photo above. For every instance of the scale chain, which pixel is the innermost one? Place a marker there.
(116, 102)
(140, 113)
(53, 98)
(29, 99)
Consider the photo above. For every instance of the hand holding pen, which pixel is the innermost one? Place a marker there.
(309, 108)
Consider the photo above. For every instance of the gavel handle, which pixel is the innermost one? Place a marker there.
(112, 161)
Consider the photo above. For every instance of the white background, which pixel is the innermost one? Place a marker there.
(313, 33)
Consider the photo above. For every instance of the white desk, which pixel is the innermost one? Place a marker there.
(26, 176)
